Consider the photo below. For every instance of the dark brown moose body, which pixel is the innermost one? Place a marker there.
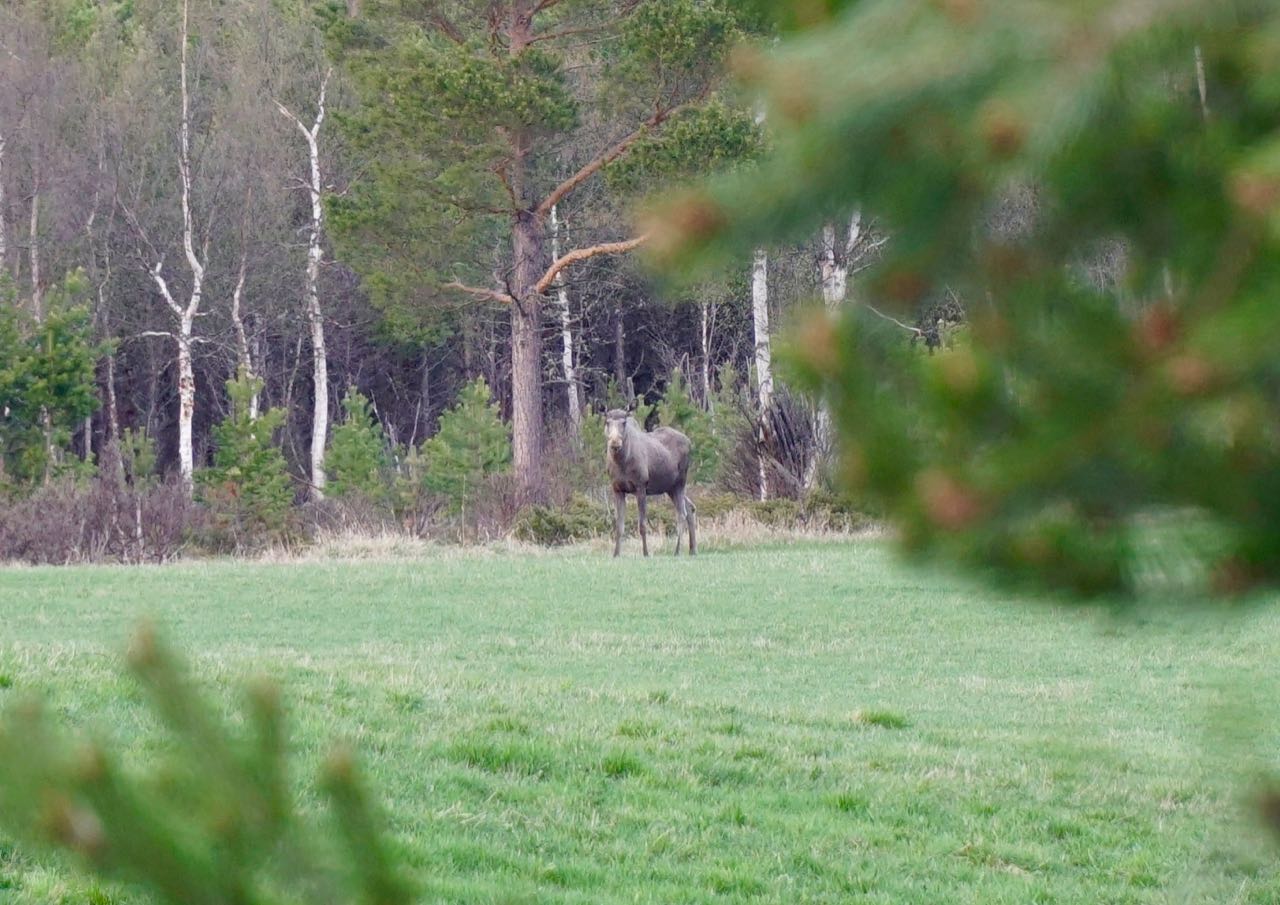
(643, 464)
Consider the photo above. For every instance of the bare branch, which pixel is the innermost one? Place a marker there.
(488, 294)
(564, 33)
(582, 254)
(916, 330)
(446, 27)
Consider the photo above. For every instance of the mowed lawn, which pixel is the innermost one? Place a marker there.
(813, 723)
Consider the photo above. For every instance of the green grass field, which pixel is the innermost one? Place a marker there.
(810, 723)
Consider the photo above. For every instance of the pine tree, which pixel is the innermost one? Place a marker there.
(467, 110)
(46, 380)
(248, 487)
(357, 458)
(471, 444)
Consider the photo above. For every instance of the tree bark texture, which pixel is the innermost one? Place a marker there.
(526, 351)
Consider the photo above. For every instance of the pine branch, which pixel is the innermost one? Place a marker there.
(582, 254)
(607, 157)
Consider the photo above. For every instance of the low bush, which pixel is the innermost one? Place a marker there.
(550, 526)
(103, 519)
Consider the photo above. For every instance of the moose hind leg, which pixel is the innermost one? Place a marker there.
(644, 533)
(619, 521)
(679, 504)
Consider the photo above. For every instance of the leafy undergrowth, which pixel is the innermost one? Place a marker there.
(780, 724)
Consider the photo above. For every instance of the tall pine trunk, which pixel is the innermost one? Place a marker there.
(526, 351)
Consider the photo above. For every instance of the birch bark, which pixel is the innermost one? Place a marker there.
(833, 268)
(566, 329)
(315, 315)
(764, 359)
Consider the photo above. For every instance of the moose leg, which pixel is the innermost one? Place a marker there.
(620, 506)
(690, 513)
(644, 534)
(675, 501)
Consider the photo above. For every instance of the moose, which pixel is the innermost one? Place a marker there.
(643, 463)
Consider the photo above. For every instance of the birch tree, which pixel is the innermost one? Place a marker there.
(566, 330)
(837, 256)
(196, 254)
(4, 207)
(315, 315)
(763, 361)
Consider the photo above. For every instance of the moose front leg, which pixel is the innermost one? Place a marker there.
(641, 501)
(619, 521)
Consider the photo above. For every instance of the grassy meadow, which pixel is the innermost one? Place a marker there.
(777, 724)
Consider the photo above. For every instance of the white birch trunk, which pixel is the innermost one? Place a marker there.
(37, 310)
(244, 360)
(33, 251)
(704, 337)
(566, 330)
(186, 409)
(834, 273)
(184, 315)
(1201, 84)
(315, 316)
(764, 357)
(4, 236)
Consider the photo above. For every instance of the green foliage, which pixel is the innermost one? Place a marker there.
(1040, 446)
(471, 444)
(551, 526)
(248, 488)
(47, 380)
(698, 141)
(214, 823)
(356, 462)
(138, 456)
(677, 409)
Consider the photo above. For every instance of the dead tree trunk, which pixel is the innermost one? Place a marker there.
(315, 316)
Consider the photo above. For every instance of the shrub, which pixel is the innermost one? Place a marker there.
(580, 519)
(104, 519)
(471, 444)
(248, 490)
(357, 458)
